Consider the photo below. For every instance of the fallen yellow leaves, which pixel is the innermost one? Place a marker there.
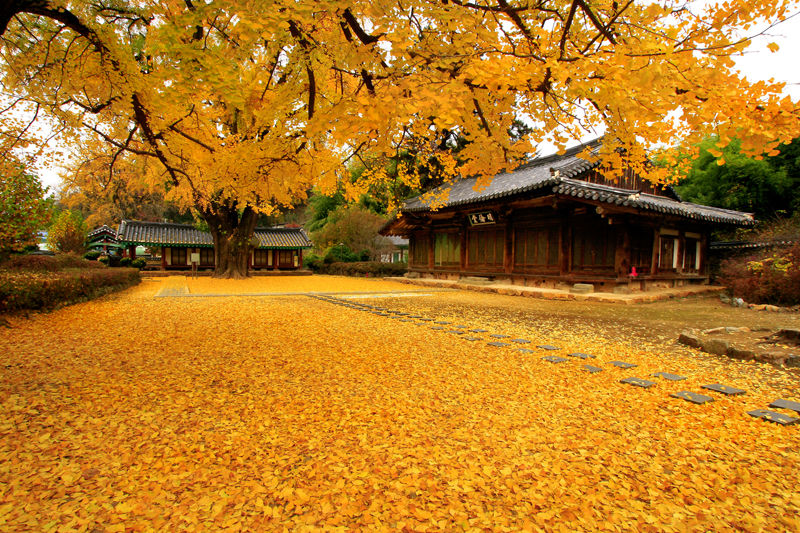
(135, 413)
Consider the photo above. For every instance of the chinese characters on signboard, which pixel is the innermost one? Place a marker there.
(481, 219)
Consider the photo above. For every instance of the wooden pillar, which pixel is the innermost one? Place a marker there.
(431, 245)
(132, 251)
(508, 248)
(274, 254)
(163, 258)
(300, 258)
(681, 244)
(565, 236)
(622, 257)
(463, 248)
(656, 250)
(252, 259)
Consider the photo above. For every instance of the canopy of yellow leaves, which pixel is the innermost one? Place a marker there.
(255, 102)
(285, 412)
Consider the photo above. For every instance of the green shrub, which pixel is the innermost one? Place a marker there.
(104, 259)
(91, 255)
(312, 262)
(45, 290)
(368, 269)
(340, 253)
(139, 263)
(125, 262)
(769, 277)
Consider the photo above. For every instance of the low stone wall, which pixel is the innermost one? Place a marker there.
(772, 348)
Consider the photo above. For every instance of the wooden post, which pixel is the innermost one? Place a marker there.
(274, 255)
(681, 244)
(463, 248)
(656, 250)
(300, 258)
(508, 248)
(132, 251)
(622, 256)
(431, 251)
(564, 248)
(163, 258)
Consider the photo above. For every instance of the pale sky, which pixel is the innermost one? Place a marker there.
(757, 64)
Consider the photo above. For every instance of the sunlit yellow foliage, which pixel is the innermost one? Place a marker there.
(246, 105)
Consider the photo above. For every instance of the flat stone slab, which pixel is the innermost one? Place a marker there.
(437, 327)
(415, 316)
(638, 382)
(499, 336)
(724, 389)
(498, 344)
(478, 330)
(548, 347)
(382, 314)
(591, 369)
(622, 364)
(441, 322)
(580, 355)
(462, 326)
(422, 319)
(692, 397)
(786, 404)
(471, 338)
(456, 331)
(554, 359)
(406, 320)
(670, 377)
(524, 350)
(582, 288)
(521, 341)
(772, 416)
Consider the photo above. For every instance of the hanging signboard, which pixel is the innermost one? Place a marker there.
(482, 219)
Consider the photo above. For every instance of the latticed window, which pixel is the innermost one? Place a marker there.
(260, 257)
(485, 248)
(206, 256)
(447, 249)
(536, 247)
(179, 256)
(419, 249)
(593, 247)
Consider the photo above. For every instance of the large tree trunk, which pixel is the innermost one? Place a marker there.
(233, 239)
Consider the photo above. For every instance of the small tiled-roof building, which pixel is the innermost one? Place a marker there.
(278, 248)
(102, 239)
(557, 220)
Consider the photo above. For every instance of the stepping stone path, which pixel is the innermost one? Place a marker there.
(786, 404)
(622, 364)
(670, 377)
(724, 389)
(772, 416)
(692, 397)
(638, 382)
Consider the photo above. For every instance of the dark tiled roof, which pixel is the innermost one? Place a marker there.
(97, 232)
(748, 245)
(560, 174)
(166, 233)
(649, 202)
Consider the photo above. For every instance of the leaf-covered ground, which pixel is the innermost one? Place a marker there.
(290, 412)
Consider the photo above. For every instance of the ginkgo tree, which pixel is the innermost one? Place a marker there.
(245, 105)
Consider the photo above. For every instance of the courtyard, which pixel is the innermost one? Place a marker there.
(325, 403)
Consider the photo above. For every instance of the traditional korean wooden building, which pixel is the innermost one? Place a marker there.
(278, 248)
(557, 220)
